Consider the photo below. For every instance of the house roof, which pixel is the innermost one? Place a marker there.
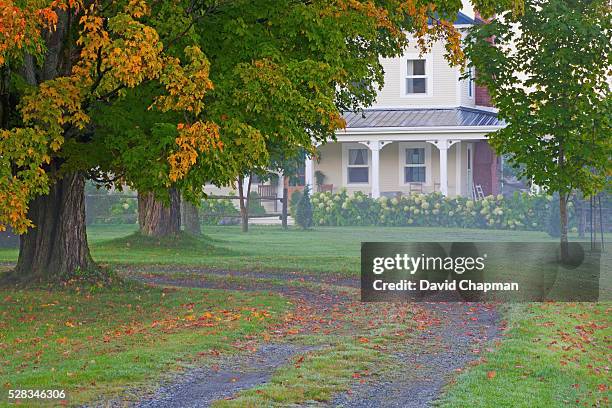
(461, 19)
(448, 117)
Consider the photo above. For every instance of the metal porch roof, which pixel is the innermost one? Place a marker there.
(450, 117)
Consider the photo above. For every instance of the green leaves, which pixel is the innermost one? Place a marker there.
(547, 73)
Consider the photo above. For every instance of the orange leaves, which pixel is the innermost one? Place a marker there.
(137, 8)
(491, 374)
(114, 52)
(186, 85)
(21, 26)
(201, 137)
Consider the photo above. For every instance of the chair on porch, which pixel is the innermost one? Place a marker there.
(323, 188)
(416, 188)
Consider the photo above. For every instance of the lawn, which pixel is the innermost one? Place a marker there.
(92, 345)
(266, 248)
(553, 354)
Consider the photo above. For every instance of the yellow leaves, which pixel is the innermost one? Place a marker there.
(186, 86)
(114, 53)
(200, 137)
(137, 8)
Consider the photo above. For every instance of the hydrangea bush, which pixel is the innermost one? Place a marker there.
(521, 212)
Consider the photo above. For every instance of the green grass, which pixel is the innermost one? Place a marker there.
(95, 345)
(268, 248)
(555, 354)
(364, 345)
(532, 366)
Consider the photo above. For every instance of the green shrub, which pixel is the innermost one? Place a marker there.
(296, 196)
(303, 211)
(255, 206)
(520, 212)
(213, 211)
(103, 207)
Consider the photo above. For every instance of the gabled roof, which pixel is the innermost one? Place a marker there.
(415, 118)
(461, 19)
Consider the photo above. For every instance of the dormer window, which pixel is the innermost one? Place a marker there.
(416, 77)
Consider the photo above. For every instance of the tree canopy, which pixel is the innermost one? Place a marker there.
(172, 94)
(77, 54)
(548, 72)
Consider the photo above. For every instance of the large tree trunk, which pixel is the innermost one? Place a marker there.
(191, 218)
(57, 246)
(155, 218)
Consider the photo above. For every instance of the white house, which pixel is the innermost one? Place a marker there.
(426, 132)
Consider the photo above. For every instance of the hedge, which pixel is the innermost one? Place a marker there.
(520, 212)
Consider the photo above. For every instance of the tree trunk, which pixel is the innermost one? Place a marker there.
(155, 218)
(244, 202)
(191, 218)
(563, 220)
(57, 246)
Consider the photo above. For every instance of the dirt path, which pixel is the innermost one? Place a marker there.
(425, 362)
(200, 387)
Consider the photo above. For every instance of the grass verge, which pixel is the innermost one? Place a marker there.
(554, 354)
(93, 346)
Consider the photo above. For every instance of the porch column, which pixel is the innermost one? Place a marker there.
(443, 148)
(280, 187)
(308, 173)
(375, 148)
(458, 178)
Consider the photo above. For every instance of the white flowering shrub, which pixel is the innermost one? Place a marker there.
(521, 212)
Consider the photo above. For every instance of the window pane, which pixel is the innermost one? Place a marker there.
(416, 85)
(415, 156)
(358, 175)
(358, 157)
(414, 174)
(416, 67)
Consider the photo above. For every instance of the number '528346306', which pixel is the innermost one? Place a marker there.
(36, 394)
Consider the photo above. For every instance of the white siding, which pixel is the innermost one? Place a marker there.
(443, 92)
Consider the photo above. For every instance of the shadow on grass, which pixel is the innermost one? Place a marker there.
(181, 242)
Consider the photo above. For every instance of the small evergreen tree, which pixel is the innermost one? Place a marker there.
(303, 212)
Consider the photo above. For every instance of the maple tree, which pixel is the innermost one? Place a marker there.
(69, 57)
(548, 72)
(226, 85)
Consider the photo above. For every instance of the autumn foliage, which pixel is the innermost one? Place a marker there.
(114, 54)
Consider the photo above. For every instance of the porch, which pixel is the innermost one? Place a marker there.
(399, 151)
(388, 167)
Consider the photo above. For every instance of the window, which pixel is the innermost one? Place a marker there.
(416, 78)
(414, 167)
(358, 169)
(470, 84)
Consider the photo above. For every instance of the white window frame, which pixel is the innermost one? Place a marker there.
(471, 85)
(428, 75)
(402, 161)
(345, 163)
